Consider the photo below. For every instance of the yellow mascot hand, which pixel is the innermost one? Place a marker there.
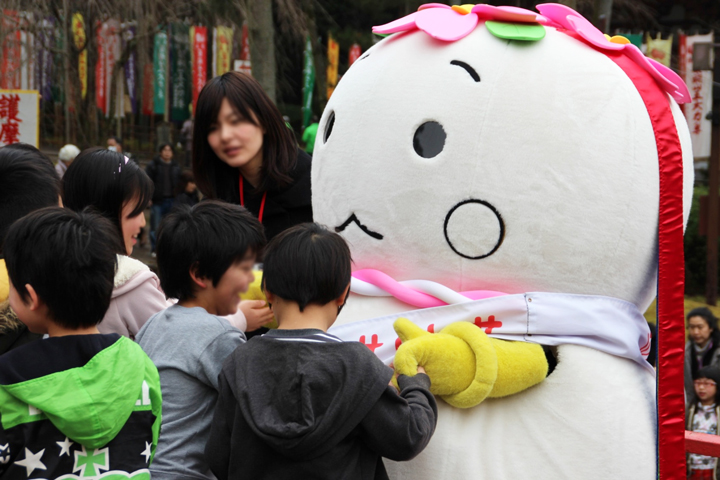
(462, 365)
(465, 365)
(255, 292)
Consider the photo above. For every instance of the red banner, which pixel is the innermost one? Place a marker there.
(101, 71)
(199, 68)
(148, 95)
(245, 47)
(355, 52)
(10, 61)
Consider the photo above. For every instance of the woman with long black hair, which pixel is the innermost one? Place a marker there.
(244, 153)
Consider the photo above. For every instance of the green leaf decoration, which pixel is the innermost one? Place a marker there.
(516, 31)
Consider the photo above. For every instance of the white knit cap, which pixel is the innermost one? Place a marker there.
(68, 153)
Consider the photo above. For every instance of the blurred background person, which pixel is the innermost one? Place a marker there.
(701, 349)
(187, 190)
(65, 157)
(165, 174)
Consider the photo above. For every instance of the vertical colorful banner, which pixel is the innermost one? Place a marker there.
(11, 61)
(160, 62)
(222, 50)
(333, 55)
(79, 38)
(308, 83)
(244, 65)
(101, 69)
(148, 92)
(180, 72)
(47, 59)
(114, 42)
(700, 85)
(27, 42)
(659, 49)
(355, 52)
(199, 56)
(131, 68)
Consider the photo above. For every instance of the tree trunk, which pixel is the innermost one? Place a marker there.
(261, 32)
(602, 12)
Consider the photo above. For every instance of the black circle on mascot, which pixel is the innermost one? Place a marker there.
(501, 226)
(429, 139)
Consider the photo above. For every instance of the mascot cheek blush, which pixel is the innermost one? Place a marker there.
(479, 155)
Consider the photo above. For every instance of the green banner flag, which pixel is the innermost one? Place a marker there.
(308, 83)
(160, 62)
(180, 72)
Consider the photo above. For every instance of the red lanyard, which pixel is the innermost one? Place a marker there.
(242, 199)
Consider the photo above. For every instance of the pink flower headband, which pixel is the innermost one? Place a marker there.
(453, 23)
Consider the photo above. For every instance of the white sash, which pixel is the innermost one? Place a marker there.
(606, 324)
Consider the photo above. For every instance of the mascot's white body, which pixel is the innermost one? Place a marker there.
(556, 142)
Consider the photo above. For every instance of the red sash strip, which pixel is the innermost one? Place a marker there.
(671, 273)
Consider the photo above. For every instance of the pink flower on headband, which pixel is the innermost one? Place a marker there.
(456, 22)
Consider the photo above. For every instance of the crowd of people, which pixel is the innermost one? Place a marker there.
(102, 360)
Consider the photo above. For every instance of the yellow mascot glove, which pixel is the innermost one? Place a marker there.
(461, 364)
(255, 292)
(520, 366)
(466, 366)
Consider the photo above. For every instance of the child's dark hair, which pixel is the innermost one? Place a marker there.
(307, 264)
(208, 237)
(711, 372)
(104, 180)
(69, 260)
(28, 182)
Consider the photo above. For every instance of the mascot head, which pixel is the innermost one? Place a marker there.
(494, 148)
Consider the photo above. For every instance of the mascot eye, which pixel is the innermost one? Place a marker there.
(329, 127)
(429, 139)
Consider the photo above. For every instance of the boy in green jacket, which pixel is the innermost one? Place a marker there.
(77, 404)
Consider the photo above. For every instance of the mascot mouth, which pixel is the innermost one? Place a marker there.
(353, 219)
(474, 229)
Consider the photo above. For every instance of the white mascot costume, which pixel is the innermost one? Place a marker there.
(498, 168)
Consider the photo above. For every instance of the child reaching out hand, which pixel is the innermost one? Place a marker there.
(298, 402)
(205, 257)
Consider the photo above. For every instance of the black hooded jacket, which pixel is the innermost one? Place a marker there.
(303, 404)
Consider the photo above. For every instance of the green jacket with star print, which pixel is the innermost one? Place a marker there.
(77, 407)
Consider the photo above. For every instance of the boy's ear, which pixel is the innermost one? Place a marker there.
(269, 296)
(34, 301)
(198, 280)
(340, 301)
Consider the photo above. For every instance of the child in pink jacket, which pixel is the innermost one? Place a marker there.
(118, 189)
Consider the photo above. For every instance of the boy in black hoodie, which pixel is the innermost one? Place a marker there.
(77, 404)
(298, 402)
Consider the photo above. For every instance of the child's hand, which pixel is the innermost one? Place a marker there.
(256, 312)
(420, 369)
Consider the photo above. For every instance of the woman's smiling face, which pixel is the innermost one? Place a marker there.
(236, 140)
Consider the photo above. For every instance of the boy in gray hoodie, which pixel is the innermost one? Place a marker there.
(298, 402)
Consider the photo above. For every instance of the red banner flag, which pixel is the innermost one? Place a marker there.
(148, 92)
(10, 62)
(355, 52)
(199, 68)
(101, 71)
